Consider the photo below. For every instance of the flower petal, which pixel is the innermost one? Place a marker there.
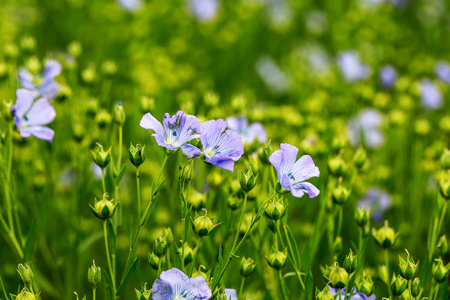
(41, 132)
(190, 151)
(175, 278)
(41, 113)
(52, 68)
(304, 169)
(26, 78)
(23, 103)
(305, 187)
(289, 156)
(211, 131)
(161, 290)
(231, 294)
(149, 122)
(257, 131)
(221, 161)
(49, 89)
(198, 289)
(188, 129)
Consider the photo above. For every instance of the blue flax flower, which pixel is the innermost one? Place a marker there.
(248, 132)
(351, 67)
(204, 10)
(366, 128)
(231, 294)
(222, 147)
(443, 71)
(175, 132)
(175, 285)
(378, 200)
(388, 76)
(430, 94)
(130, 5)
(30, 116)
(355, 296)
(43, 85)
(292, 174)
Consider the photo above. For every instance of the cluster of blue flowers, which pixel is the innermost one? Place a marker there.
(32, 109)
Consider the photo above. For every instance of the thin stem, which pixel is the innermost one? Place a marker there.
(138, 193)
(113, 277)
(386, 258)
(340, 218)
(282, 285)
(103, 181)
(93, 294)
(197, 249)
(294, 265)
(119, 160)
(242, 286)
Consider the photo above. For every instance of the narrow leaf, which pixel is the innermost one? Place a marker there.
(29, 244)
(127, 278)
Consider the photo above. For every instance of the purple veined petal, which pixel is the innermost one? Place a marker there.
(149, 122)
(198, 289)
(190, 151)
(161, 290)
(187, 130)
(304, 169)
(24, 101)
(221, 161)
(308, 188)
(49, 89)
(231, 294)
(161, 142)
(230, 145)
(211, 131)
(40, 113)
(52, 68)
(289, 157)
(174, 277)
(238, 124)
(275, 159)
(26, 78)
(257, 131)
(41, 132)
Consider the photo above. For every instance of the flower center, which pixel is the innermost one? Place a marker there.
(291, 177)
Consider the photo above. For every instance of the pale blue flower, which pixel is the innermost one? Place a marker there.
(231, 294)
(378, 200)
(43, 85)
(130, 5)
(292, 174)
(430, 94)
(204, 10)
(388, 76)
(351, 67)
(30, 115)
(175, 285)
(443, 71)
(365, 129)
(175, 132)
(249, 133)
(222, 147)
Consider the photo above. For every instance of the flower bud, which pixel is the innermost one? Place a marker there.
(188, 253)
(385, 236)
(143, 294)
(92, 107)
(340, 195)
(7, 111)
(337, 245)
(440, 272)
(360, 158)
(89, 74)
(103, 118)
(338, 143)
(324, 294)
(197, 200)
(247, 267)
(445, 159)
(94, 275)
(101, 157)
(65, 92)
(28, 43)
(153, 260)
(136, 154)
(350, 262)
(276, 209)
(416, 288)
(338, 277)
(362, 216)
(337, 166)
(365, 285)
(26, 274)
(25, 295)
(160, 246)
(444, 187)
(211, 99)
(203, 225)
(247, 180)
(265, 152)
(33, 65)
(442, 245)
(103, 209)
(398, 285)
(276, 258)
(109, 67)
(119, 114)
(408, 268)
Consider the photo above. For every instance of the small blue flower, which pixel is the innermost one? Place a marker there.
(430, 94)
(248, 132)
(443, 71)
(175, 285)
(30, 116)
(175, 132)
(292, 174)
(351, 67)
(365, 128)
(356, 295)
(204, 10)
(378, 200)
(222, 147)
(130, 5)
(388, 76)
(231, 294)
(45, 86)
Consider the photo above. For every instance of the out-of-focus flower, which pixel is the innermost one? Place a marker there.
(351, 67)
(318, 59)
(42, 85)
(443, 71)
(30, 116)
(130, 5)
(271, 74)
(292, 174)
(222, 146)
(175, 132)
(378, 200)
(430, 94)
(174, 284)
(365, 128)
(248, 132)
(204, 10)
(388, 76)
(355, 295)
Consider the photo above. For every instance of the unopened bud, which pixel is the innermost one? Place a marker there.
(276, 258)
(136, 154)
(94, 275)
(385, 236)
(247, 266)
(101, 157)
(350, 262)
(119, 114)
(26, 274)
(103, 209)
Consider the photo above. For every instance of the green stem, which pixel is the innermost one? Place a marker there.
(386, 258)
(112, 275)
(138, 193)
(103, 181)
(282, 285)
(197, 249)
(242, 286)
(294, 265)
(340, 218)
(119, 159)
(93, 294)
